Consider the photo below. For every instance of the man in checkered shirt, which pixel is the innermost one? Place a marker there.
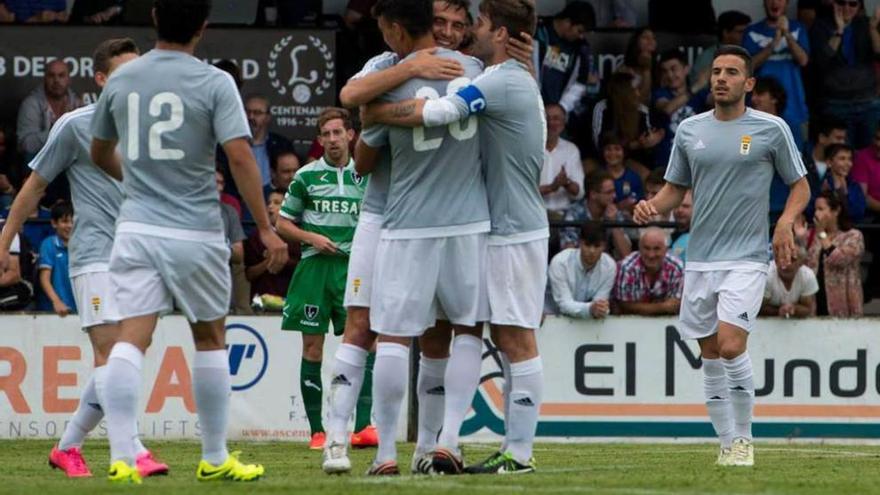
(649, 281)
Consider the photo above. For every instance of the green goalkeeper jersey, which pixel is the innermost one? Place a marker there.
(326, 200)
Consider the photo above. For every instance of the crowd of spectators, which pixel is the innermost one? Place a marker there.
(608, 141)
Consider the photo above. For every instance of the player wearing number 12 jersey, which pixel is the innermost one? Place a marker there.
(432, 245)
(168, 110)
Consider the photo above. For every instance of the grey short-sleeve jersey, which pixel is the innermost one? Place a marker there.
(729, 165)
(169, 110)
(96, 196)
(513, 134)
(437, 186)
(376, 194)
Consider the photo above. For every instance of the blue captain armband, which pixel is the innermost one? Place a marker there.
(473, 98)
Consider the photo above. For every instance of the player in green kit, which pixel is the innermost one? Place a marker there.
(321, 211)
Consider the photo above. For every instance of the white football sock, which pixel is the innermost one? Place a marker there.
(345, 386)
(742, 393)
(87, 416)
(505, 394)
(461, 382)
(718, 400)
(121, 400)
(211, 389)
(432, 396)
(100, 377)
(389, 387)
(526, 394)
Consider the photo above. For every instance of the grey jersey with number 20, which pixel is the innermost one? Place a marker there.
(169, 110)
(729, 165)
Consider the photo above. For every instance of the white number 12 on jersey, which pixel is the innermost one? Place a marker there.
(154, 140)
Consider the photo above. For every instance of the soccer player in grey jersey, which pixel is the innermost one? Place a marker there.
(728, 156)
(96, 198)
(168, 110)
(508, 102)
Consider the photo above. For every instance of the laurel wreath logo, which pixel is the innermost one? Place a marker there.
(301, 91)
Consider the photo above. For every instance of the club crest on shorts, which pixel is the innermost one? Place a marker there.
(745, 144)
(356, 285)
(96, 304)
(311, 311)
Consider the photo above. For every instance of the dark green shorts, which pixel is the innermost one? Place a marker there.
(315, 295)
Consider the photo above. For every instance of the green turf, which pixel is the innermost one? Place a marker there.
(636, 469)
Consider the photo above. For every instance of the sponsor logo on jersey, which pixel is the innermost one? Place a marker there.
(745, 144)
(336, 206)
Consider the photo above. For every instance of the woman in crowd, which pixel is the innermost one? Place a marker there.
(836, 250)
(639, 59)
(840, 162)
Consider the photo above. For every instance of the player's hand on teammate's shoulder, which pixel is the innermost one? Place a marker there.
(644, 212)
(521, 49)
(427, 65)
(276, 250)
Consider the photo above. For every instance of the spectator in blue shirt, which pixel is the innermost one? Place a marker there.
(675, 99)
(628, 188)
(839, 180)
(54, 271)
(35, 11)
(779, 48)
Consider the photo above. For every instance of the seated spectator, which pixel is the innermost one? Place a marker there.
(256, 263)
(627, 184)
(581, 278)
(839, 180)
(780, 47)
(34, 12)
(15, 292)
(614, 13)
(622, 114)
(598, 205)
(284, 167)
(791, 291)
(562, 175)
(836, 251)
(866, 172)
(649, 281)
(57, 292)
(639, 61)
(675, 99)
(43, 106)
(828, 130)
(845, 47)
(731, 27)
(225, 197)
(683, 214)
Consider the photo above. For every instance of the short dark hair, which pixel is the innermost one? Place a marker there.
(579, 14)
(729, 20)
(593, 181)
(178, 21)
(609, 138)
(416, 16)
(457, 4)
(674, 54)
(657, 177)
(517, 16)
(776, 90)
(112, 48)
(548, 106)
(276, 190)
(736, 51)
(60, 210)
(833, 149)
(826, 124)
(233, 70)
(332, 113)
(273, 163)
(835, 202)
(592, 233)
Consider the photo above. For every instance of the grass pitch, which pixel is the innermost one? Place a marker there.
(638, 469)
